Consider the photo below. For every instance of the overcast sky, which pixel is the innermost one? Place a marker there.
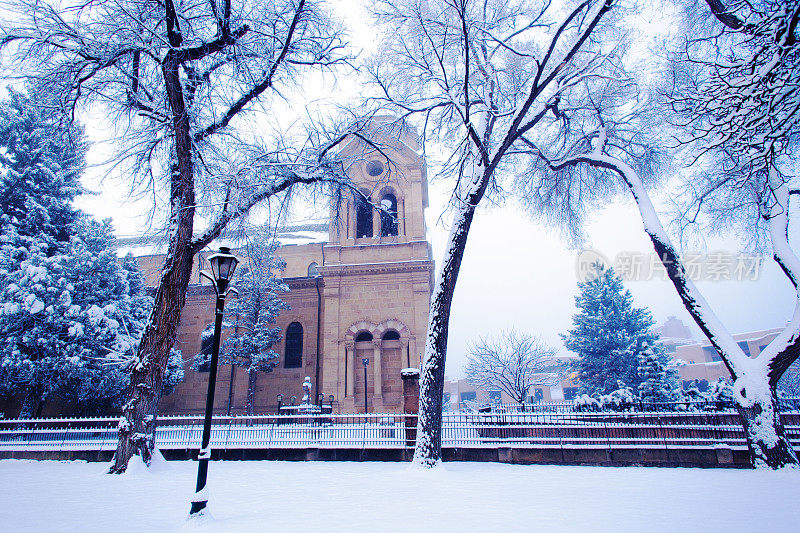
(515, 272)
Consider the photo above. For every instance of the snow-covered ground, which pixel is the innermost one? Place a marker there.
(320, 497)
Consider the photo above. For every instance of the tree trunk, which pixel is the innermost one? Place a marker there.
(230, 388)
(251, 391)
(428, 451)
(758, 409)
(137, 426)
(33, 399)
(766, 439)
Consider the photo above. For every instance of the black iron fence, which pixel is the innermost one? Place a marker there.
(537, 425)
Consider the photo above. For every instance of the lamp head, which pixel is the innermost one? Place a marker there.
(223, 265)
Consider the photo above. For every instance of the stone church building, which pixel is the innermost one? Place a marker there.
(359, 288)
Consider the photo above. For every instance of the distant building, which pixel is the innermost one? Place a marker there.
(698, 360)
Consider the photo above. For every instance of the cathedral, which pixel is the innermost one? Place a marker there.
(359, 292)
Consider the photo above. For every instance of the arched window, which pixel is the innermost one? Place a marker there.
(206, 347)
(391, 335)
(313, 271)
(293, 357)
(388, 215)
(364, 336)
(363, 217)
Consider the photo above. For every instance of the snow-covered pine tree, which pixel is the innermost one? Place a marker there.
(65, 302)
(721, 394)
(789, 384)
(608, 333)
(63, 312)
(251, 317)
(254, 314)
(659, 378)
(41, 161)
(174, 373)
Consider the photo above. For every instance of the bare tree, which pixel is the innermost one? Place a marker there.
(514, 363)
(743, 160)
(181, 80)
(477, 75)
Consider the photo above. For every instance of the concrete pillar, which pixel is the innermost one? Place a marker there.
(348, 219)
(401, 215)
(378, 377)
(416, 358)
(376, 221)
(350, 215)
(350, 348)
(410, 378)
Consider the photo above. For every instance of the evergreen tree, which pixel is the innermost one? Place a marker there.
(659, 379)
(721, 393)
(789, 385)
(65, 302)
(174, 373)
(251, 317)
(608, 334)
(62, 314)
(41, 160)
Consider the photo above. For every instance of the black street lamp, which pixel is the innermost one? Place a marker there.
(365, 362)
(223, 265)
(280, 402)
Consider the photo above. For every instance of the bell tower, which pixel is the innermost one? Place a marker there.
(390, 175)
(377, 272)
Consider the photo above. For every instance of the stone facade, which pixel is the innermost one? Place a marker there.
(357, 295)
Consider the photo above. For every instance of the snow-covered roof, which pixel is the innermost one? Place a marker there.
(141, 245)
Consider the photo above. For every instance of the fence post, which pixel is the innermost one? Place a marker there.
(410, 377)
(64, 437)
(271, 432)
(662, 432)
(27, 438)
(364, 433)
(560, 437)
(228, 434)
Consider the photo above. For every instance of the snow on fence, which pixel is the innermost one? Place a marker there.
(664, 429)
(568, 406)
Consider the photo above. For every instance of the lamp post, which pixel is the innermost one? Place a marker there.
(365, 362)
(280, 402)
(223, 265)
